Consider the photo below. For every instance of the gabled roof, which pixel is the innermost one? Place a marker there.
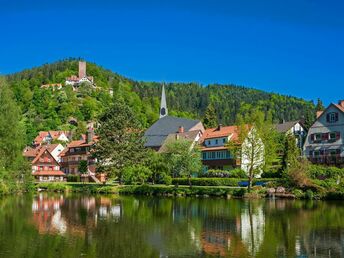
(33, 152)
(223, 131)
(191, 136)
(40, 153)
(285, 127)
(54, 135)
(157, 133)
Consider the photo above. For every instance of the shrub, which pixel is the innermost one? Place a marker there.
(239, 192)
(167, 180)
(218, 181)
(73, 178)
(271, 175)
(309, 194)
(322, 172)
(234, 173)
(299, 194)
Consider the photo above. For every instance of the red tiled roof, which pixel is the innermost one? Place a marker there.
(339, 107)
(41, 151)
(54, 135)
(48, 173)
(222, 132)
(33, 152)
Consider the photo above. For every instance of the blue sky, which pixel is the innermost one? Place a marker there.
(290, 47)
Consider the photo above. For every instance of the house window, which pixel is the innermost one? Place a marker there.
(332, 117)
(209, 142)
(332, 136)
(72, 150)
(224, 140)
(216, 141)
(317, 137)
(204, 155)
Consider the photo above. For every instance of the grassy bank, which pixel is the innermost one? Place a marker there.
(185, 190)
(158, 190)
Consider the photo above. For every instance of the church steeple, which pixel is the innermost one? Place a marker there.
(163, 106)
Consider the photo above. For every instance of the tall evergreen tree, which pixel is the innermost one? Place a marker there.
(121, 142)
(319, 106)
(210, 118)
(14, 170)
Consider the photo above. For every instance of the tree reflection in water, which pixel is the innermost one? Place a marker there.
(58, 225)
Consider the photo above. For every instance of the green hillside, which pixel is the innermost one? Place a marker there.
(50, 110)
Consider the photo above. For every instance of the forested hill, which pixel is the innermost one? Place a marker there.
(228, 101)
(51, 110)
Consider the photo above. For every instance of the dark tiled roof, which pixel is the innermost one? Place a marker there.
(158, 132)
(284, 127)
(191, 136)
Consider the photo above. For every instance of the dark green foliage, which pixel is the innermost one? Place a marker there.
(83, 167)
(14, 169)
(210, 118)
(73, 178)
(217, 181)
(228, 101)
(162, 190)
(291, 151)
(319, 106)
(120, 142)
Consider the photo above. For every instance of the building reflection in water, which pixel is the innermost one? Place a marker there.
(197, 228)
(56, 214)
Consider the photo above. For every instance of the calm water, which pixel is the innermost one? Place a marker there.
(115, 226)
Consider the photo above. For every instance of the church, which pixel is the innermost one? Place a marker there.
(168, 128)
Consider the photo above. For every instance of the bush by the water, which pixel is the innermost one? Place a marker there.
(180, 191)
(217, 181)
(234, 173)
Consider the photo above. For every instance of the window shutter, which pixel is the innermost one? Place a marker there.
(336, 117)
(337, 136)
(327, 118)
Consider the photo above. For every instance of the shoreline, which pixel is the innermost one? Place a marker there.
(226, 192)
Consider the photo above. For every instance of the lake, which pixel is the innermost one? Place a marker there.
(75, 225)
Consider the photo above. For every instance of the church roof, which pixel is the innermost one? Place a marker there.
(286, 126)
(158, 132)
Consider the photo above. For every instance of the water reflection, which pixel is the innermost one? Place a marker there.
(112, 226)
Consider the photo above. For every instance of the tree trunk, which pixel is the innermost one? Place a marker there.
(250, 179)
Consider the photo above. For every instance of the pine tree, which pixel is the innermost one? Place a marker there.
(319, 106)
(210, 118)
(121, 142)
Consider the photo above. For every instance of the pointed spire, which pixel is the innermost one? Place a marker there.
(163, 105)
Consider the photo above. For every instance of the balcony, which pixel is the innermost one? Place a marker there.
(327, 159)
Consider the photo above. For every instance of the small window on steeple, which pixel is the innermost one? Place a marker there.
(163, 111)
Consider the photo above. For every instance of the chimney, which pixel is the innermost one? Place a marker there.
(319, 113)
(219, 127)
(82, 69)
(341, 103)
(89, 135)
(181, 129)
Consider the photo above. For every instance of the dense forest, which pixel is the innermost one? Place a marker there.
(44, 109)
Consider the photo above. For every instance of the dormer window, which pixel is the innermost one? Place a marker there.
(332, 117)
